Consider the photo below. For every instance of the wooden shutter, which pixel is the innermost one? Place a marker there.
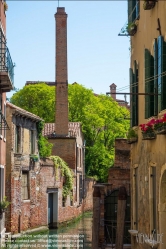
(146, 55)
(151, 87)
(164, 77)
(135, 97)
(160, 45)
(131, 11)
(137, 8)
(149, 84)
(131, 98)
(155, 77)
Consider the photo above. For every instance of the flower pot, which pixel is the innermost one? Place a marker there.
(161, 130)
(132, 29)
(149, 4)
(148, 135)
(132, 140)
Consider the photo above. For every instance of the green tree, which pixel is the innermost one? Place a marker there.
(102, 120)
(38, 99)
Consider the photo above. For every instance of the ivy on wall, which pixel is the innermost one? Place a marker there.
(66, 172)
(44, 146)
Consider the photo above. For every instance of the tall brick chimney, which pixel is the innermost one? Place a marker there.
(113, 91)
(61, 78)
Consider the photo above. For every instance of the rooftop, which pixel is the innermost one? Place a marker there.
(20, 111)
(73, 129)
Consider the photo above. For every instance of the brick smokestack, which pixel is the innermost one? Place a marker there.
(61, 78)
(113, 91)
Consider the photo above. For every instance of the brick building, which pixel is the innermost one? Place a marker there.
(6, 84)
(120, 102)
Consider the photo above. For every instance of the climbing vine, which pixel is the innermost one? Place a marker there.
(44, 146)
(66, 172)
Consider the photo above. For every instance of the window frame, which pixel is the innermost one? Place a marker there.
(27, 186)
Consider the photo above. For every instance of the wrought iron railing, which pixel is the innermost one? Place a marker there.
(110, 232)
(6, 64)
(133, 16)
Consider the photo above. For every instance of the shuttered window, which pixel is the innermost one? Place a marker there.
(133, 10)
(25, 186)
(149, 84)
(161, 72)
(134, 98)
(17, 139)
(156, 97)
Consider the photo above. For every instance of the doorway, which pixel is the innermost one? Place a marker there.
(53, 209)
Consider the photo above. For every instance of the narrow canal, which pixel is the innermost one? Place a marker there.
(76, 235)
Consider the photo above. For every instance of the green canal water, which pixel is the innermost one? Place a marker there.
(77, 234)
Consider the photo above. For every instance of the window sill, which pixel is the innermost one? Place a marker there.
(25, 201)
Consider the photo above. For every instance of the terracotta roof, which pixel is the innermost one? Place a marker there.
(73, 128)
(23, 112)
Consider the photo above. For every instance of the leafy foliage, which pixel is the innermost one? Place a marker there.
(66, 172)
(44, 146)
(4, 203)
(102, 120)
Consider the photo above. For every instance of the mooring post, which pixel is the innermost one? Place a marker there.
(122, 197)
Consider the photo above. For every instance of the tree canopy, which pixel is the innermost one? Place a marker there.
(101, 117)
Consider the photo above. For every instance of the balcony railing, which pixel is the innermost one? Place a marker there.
(6, 66)
(130, 27)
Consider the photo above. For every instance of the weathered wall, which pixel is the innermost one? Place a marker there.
(66, 149)
(147, 154)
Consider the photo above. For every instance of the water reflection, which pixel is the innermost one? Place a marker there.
(76, 235)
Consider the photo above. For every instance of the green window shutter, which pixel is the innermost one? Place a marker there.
(164, 77)
(160, 62)
(151, 87)
(131, 11)
(135, 97)
(149, 84)
(155, 77)
(132, 99)
(147, 73)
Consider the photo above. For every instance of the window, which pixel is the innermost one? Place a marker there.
(32, 142)
(1, 182)
(5, 119)
(80, 157)
(133, 10)
(80, 189)
(152, 195)
(134, 98)
(71, 198)
(17, 138)
(63, 201)
(161, 71)
(135, 198)
(149, 84)
(156, 97)
(25, 185)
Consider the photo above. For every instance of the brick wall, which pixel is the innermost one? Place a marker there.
(61, 73)
(66, 149)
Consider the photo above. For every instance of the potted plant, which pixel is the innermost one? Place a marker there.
(160, 125)
(3, 205)
(149, 4)
(5, 6)
(132, 136)
(35, 158)
(131, 28)
(148, 132)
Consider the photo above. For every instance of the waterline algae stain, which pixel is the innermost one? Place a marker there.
(76, 235)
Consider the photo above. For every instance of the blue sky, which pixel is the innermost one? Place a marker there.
(97, 56)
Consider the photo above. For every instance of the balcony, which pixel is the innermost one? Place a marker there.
(130, 27)
(6, 66)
